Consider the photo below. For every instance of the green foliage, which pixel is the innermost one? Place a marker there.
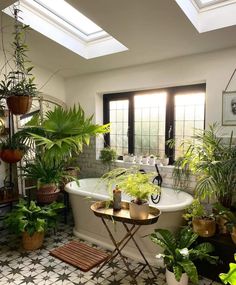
(12, 143)
(19, 81)
(46, 172)
(230, 276)
(132, 182)
(32, 218)
(180, 251)
(195, 210)
(212, 161)
(62, 132)
(107, 155)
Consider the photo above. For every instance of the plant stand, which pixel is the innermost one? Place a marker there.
(131, 226)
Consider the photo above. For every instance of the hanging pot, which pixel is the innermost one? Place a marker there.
(19, 105)
(11, 155)
(138, 212)
(170, 278)
(204, 227)
(32, 242)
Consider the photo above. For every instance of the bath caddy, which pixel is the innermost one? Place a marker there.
(104, 210)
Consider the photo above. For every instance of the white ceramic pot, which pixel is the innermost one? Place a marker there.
(165, 161)
(170, 278)
(151, 161)
(138, 212)
(145, 160)
(138, 159)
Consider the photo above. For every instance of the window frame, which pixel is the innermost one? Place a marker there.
(170, 114)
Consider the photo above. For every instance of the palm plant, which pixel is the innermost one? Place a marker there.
(62, 132)
(213, 162)
(180, 251)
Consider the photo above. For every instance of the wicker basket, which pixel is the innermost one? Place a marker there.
(44, 197)
(32, 242)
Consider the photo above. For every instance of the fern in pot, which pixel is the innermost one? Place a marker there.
(180, 252)
(136, 185)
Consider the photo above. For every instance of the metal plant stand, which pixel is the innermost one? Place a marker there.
(131, 226)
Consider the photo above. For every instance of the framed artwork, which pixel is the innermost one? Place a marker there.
(229, 108)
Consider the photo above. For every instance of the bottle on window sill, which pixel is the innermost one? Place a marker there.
(116, 199)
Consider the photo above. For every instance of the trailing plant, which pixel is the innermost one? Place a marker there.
(19, 81)
(180, 251)
(132, 182)
(196, 210)
(32, 218)
(12, 143)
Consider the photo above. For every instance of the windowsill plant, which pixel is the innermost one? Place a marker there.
(107, 156)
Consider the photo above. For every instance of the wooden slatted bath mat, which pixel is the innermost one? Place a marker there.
(80, 255)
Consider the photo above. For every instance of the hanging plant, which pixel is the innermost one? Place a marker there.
(18, 85)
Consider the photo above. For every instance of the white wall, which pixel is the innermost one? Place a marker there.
(213, 68)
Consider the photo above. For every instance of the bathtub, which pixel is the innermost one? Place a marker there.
(89, 227)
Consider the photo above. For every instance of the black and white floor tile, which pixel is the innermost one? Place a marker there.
(19, 267)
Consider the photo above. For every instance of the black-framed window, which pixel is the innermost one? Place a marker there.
(142, 121)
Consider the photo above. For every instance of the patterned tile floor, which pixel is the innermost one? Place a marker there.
(39, 268)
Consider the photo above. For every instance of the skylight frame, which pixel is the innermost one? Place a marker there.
(53, 27)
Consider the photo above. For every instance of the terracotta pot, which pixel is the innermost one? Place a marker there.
(19, 105)
(233, 234)
(138, 212)
(11, 155)
(204, 227)
(170, 278)
(32, 242)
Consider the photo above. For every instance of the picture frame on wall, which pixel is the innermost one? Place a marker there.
(229, 108)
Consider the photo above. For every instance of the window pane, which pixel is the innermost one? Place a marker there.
(149, 110)
(189, 114)
(118, 112)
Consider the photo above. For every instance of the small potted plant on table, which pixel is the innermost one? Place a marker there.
(31, 221)
(179, 254)
(107, 156)
(135, 184)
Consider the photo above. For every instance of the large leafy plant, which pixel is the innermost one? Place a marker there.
(213, 161)
(180, 251)
(32, 218)
(132, 182)
(62, 132)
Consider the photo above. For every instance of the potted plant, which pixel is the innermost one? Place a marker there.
(179, 254)
(135, 184)
(213, 161)
(47, 174)
(18, 85)
(107, 156)
(145, 159)
(229, 220)
(12, 149)
(32, 221)
(203, 223)
(165, 160)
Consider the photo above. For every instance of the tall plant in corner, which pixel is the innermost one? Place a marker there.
(18, 86)
(213, 161)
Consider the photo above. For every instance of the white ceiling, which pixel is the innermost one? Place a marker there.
(153, 30)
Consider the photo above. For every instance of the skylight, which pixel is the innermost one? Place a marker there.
(68, 27)
(208, 15)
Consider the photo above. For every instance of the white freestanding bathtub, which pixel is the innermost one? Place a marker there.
(89, 227)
